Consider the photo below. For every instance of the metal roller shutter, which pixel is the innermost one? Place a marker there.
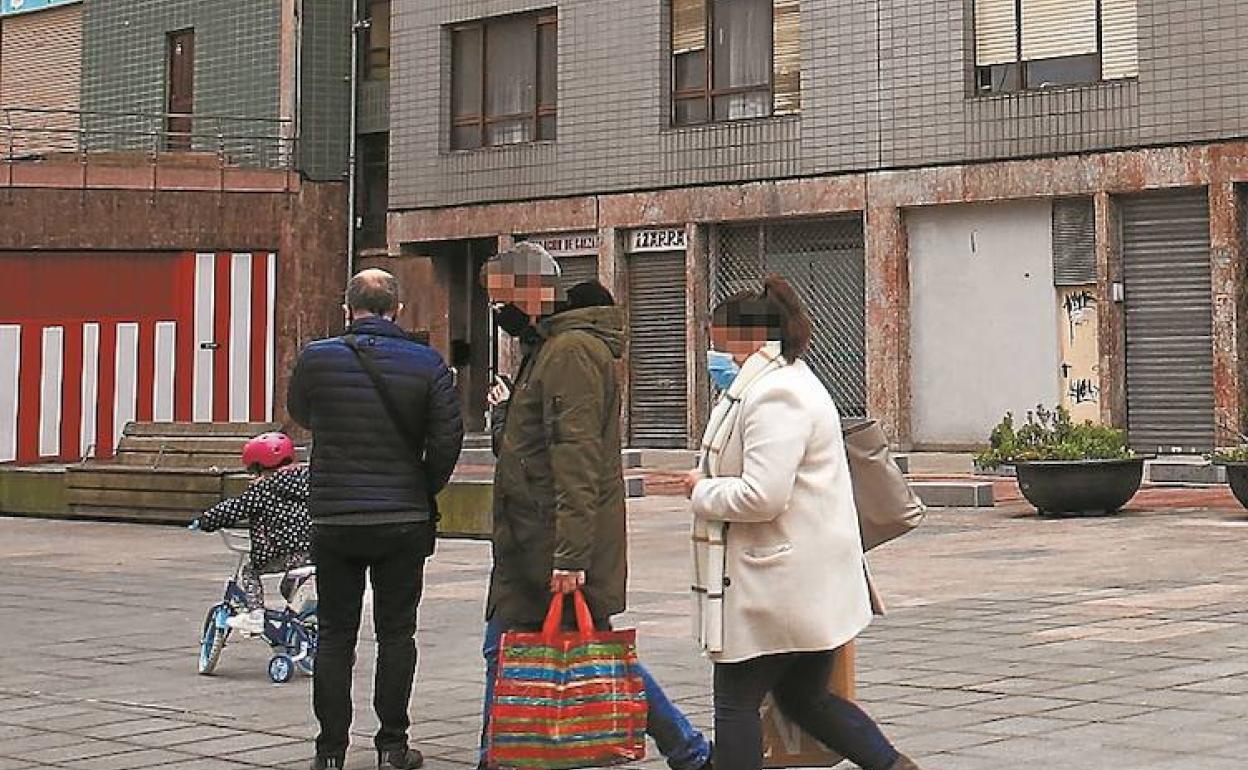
(1169, 312)
(41, 68)
(658, 377)
(578, 269)
(824, 260)
(1074, 242)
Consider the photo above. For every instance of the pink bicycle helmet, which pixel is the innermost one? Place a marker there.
(269, 450)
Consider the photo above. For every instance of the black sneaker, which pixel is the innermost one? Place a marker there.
(399, 759)
(328, 763)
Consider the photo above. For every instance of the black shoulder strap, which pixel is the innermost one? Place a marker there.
(379, 382)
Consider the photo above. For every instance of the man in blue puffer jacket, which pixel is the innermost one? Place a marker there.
(375, 471)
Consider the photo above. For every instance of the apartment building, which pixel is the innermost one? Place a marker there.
(988, 205)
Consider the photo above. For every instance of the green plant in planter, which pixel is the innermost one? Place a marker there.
(1233, 455)
(1050, 434)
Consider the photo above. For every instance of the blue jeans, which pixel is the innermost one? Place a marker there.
(684, 747)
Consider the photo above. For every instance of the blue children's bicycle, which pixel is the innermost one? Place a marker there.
(290, 631)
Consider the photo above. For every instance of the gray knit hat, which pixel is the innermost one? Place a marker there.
(529, 259)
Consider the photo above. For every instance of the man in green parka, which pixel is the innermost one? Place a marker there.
(559, 513)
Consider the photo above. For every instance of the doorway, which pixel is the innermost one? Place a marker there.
(468, 349)
(180, 102)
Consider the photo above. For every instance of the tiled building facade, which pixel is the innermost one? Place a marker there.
(884, 85)
(916, 119)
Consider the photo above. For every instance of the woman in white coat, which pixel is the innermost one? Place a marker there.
(780, 577)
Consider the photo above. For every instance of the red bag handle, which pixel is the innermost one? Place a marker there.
(554, 616)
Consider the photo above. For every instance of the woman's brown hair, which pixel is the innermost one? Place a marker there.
(777, 308)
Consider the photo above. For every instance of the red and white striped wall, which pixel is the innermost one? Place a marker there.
(92, 340)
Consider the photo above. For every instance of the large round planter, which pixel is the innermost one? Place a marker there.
(1080, 487)
(1237, 477)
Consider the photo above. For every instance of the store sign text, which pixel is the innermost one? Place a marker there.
(567, 244)
(658, 239)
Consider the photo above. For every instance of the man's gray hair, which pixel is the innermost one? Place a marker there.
(373, 291)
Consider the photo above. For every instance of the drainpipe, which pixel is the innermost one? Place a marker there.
(358, 27)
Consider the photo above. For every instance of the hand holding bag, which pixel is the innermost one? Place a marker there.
(567, 699)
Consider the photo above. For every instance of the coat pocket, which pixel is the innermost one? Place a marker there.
(767, 554)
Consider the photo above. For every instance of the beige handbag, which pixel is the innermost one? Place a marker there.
(887, 506)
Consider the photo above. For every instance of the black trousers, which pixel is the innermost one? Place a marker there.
(799, 683)
(393, 556)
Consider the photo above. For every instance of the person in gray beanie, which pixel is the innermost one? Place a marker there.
(559, 499)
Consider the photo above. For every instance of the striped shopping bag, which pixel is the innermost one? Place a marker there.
(567, 699)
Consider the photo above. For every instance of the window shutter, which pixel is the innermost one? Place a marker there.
(688, 25)
(1058, 28)
(1120, 52)
(995, 27)
(787, 57)
(1074, 242)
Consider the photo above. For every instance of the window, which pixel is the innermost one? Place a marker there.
(503, 81)
(1029, 44)
(734, 59)
(377, 41)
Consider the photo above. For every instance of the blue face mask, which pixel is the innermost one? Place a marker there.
(722, 367)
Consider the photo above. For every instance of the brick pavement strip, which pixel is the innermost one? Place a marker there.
(1064, 644)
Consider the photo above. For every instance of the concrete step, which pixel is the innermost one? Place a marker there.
(937, 463)
(667, 459)
(1184, 469)
(632, 458)
(477, 441)
(634, 486)
(476, 456)
(955, 494)
(466, 506)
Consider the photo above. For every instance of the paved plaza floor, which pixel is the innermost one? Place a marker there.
(1012, 642)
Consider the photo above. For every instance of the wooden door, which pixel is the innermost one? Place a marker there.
(181, 99)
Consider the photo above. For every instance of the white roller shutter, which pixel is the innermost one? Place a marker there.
(995, 27)
(1120, 53)
(1054, 28)
(786, 57)
(688, 25)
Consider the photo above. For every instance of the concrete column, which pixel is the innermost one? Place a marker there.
(508, 347)
(888, 320)
(612, 266)
(1229, 316)
(697, 312)
(1111, 316)
(613, 274)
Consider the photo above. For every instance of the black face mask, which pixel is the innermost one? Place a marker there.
(512, 320)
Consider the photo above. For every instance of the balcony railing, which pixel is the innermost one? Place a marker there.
(238, 142)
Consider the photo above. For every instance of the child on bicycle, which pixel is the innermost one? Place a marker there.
(275, 507)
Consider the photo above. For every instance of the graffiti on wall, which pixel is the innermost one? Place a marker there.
(1080, 368)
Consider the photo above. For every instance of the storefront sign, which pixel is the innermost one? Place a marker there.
(10, 7)
(657, 239)
(567, 244)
